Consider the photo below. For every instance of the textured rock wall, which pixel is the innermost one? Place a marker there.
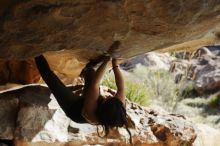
(86, 29)
(89, 27)
(16, 71)
(64, 64)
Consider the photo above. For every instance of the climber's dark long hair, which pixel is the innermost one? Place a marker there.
(112, 114)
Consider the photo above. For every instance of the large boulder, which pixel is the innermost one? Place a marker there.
(152, 60)
(203, 69)
(206, 74)
(40, 121)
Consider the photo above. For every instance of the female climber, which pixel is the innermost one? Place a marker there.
(90, 107)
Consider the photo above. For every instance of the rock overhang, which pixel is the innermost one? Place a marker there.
(88, 27)
(73, 32)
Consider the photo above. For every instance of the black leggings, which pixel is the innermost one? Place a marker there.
(72, 105)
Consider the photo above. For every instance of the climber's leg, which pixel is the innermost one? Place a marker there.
(63, 94)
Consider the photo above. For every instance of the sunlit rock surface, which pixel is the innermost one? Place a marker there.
(64, 65)
(207, 136)
(40, 121)
(152, 60)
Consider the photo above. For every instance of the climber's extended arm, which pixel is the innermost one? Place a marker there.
(119, 81)
(92, 94)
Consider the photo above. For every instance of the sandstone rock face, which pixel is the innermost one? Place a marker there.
(20, 72)
(40, 121)
(89, 27)
(85, 29)
(64, 65)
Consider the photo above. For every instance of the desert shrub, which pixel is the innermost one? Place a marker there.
(146, 86)
(109, 80)
(134, 89)
(136, 92)
(214, 101)
(160, 86)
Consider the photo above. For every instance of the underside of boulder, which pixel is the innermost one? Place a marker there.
(74, 32)
(87, 28)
